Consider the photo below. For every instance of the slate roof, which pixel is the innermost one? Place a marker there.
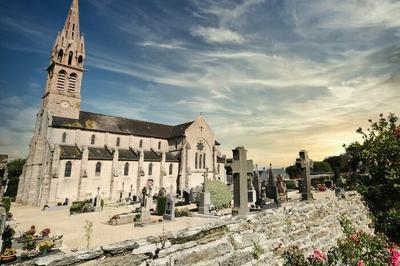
(127, 155)
(99, 154)
(151, 156)
(170, 157)
(120, 125)
(70, 152)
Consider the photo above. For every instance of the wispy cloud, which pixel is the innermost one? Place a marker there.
(217, 35)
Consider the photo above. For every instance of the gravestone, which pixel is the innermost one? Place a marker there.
(239, 171)
(147, 202)
(205, 197)
(272, 189)
(257, 183)
(169, 209)
(304, 164)
(97, 204)
(281, 188)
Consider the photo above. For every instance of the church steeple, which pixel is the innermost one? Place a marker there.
(62, 94)
(72, 22)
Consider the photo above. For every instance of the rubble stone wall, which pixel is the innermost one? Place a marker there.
(257, 239)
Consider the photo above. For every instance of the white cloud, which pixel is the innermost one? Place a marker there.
(176, 45)
(217, 35)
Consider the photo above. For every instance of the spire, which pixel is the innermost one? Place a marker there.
(71, 26)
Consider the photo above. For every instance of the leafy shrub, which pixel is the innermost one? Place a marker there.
(7, 203)
(182, 212)
(221, 195)
(291, 184)
(77, 206)
(161, 202)
(374, 170)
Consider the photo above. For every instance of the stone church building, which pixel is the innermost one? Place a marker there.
(74, 153)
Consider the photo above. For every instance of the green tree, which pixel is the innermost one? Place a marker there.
(338, 164)
(374, 169)
(322, 167)
(14, 171)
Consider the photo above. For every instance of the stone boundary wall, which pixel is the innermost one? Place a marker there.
(258, 238)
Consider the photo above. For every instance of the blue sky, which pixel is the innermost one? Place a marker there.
(275, 76)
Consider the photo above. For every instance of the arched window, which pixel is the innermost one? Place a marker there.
(159, 145)
(118, 141)
(93, 140)
(195, 161)
(140, 144)
(98, 168)
(204, 161)
(126, 169)
(64, 137)
(60, 55)
(200, 160)
(70, 56)
(80, 60)
(68, 169)
(72, 82)
(150, 169)
(61, 80)
(171, 168)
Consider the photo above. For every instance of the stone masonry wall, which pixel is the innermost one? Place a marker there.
(257, 239)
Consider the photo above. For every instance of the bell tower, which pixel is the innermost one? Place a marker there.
(62, 96)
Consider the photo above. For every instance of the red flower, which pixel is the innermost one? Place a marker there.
(319, 255)
(395, 257)
(360, 263)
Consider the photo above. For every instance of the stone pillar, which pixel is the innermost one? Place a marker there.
(114, 173)
(83, 172)
(239, 171)
(214, 161)
(163, 170)
(140, 171)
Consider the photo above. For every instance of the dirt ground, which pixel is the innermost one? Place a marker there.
(60, 222)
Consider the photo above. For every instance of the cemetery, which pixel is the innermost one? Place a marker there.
(200, 223)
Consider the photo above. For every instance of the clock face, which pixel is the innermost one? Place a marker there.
(65, 104)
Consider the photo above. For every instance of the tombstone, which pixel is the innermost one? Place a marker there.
(147, 202)
(97, 204)
(169, 214)
(239, 171)
(251, 192)
(304, 164)
(272, 189)
(281, 186)
(257, 183)
(205, 197)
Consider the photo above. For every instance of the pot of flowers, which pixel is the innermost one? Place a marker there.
(45, 233)
(46, 246)
(57, 240)
(28, 254)
(9, 255)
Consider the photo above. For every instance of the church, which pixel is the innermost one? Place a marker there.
(76, 154)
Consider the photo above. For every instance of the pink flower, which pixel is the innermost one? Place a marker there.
(360, 263)
(319, 255)
(395, 258)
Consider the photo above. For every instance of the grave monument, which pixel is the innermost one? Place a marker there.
(304, 164)
(205, 197)
(239, 171)
(169, 214)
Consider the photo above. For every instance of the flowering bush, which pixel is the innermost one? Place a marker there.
(355, 248)
(46, 246)
(45, 232)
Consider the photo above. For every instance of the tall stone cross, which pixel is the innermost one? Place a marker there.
(205, 178)
(305, 164)
(240, 190)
